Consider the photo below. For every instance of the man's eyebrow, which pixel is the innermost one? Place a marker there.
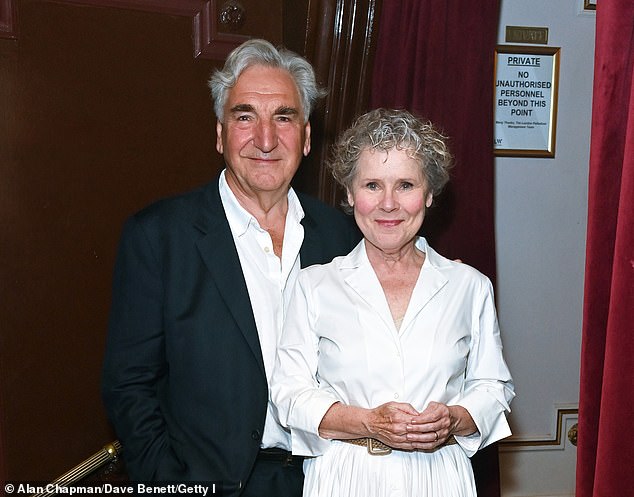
(283, 110)
(242, 108)
(286, 111)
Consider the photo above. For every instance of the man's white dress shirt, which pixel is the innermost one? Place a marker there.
(269, 282)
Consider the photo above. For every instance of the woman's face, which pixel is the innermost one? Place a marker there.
(389, 197)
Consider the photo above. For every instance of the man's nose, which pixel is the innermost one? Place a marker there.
(265, 136)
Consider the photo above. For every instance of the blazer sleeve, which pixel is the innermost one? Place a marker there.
(328, 232)
(134, 366)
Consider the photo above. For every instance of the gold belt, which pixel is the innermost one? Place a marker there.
(378, 448)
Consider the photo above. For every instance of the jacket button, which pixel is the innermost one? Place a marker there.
(255, 435)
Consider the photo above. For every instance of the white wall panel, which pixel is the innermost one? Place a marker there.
(541, 209)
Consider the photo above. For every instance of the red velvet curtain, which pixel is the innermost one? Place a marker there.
(435, 59)
(605, 456)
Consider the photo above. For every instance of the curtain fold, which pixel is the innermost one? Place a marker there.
(606, 400)
(435, 58)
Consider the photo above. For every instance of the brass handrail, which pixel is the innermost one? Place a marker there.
(108, 453)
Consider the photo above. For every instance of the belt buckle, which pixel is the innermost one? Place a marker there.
(377, 451)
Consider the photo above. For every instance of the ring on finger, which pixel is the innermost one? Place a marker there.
(436, 439)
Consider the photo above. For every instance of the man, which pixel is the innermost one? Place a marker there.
(200, 289)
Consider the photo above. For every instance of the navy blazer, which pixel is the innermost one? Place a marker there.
(183, 381)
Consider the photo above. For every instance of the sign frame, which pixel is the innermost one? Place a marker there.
(526, 87)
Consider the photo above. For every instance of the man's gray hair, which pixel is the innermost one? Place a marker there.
(261, 52)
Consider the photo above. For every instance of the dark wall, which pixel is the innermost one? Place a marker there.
(104, 108)
(103, 111)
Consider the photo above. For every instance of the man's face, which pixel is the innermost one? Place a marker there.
(263, 135)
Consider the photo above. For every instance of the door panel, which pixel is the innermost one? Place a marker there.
(104, 108)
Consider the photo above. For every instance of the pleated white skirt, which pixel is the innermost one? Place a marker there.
(347, 470)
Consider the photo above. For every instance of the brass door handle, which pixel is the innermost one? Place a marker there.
(572, 434)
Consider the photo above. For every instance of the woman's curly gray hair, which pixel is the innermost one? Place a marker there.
(385, 130)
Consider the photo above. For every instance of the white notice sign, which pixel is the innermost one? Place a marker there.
(525, 101)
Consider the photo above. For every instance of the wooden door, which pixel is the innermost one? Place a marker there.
(104, 108)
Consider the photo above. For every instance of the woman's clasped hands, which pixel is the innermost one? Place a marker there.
(402, 427)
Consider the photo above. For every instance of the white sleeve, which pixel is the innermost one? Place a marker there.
(295, 391)
(489, 387)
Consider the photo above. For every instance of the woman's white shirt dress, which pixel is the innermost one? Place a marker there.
(340, 344)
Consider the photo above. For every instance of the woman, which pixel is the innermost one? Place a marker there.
(390, 367)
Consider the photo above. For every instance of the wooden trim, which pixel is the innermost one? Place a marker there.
(208, 41)
(341, 44)
(556, 441)
(8, 24)
(172, 7)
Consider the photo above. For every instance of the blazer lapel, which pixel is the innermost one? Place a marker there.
(310, 252)
(219, 254)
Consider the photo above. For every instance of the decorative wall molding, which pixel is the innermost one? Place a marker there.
(8, 24)
(565, 416)
(215, 23)
(341, 46)
(338, 37)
